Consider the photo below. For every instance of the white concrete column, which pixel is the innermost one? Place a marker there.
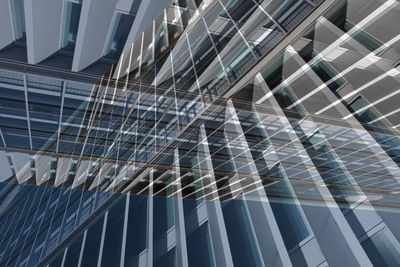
(43, 26)
(95, 21)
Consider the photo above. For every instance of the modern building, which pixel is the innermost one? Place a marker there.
(226, 133)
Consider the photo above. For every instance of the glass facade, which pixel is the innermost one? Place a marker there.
(119, 31)
(17, 9)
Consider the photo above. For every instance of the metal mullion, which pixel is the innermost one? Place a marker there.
(97, 128)
(150, 224)
(238, 31)
(2, 138)
(82, 248)
(26, 219)
(27, 110)
(215, 49)
(15, 226)
(235, 139)
(270, 17)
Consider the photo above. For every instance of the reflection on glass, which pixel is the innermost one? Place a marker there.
(113, 235)
(18, 17)
(379, 128)
(241, 235)
(381, 249)
(288, 213)
(92, 244)
(338, 180)
(199, 247)
(73, 252)
(70, 24)
(326, 73)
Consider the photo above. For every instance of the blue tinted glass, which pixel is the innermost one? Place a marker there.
(92, 245)
(57, 261)
(381, 250)
(71, 18)
(119, 31)
(241, 239)
(136, 230)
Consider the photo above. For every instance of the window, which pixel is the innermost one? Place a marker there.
(381, 250)
(338, 180)
(113, 235)
(92, 245)
(199, 246)
(57, 262)
(72, 12)
(241, 237)
(136, 236)
(18, 17)
(367, 114)
(119, 30)
(326, 73)
(380, 129)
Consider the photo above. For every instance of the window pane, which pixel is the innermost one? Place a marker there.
(72, 12)
(113, 235)
(73, 252)
(92, 245)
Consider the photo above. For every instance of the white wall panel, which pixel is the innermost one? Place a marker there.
(43, 24)
(6, 27)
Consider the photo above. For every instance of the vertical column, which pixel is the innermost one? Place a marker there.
(95, 20)
(266, 230)
(180, 230)
(219, 236)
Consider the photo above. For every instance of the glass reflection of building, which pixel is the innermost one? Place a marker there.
(229, 133)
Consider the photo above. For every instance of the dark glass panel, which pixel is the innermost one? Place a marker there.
(72, 257)
(113, 235)
(92, 245)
